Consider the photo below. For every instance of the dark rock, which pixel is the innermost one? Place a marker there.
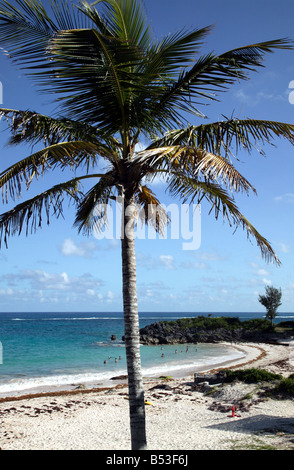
(179, 332)
(119, 377)
(211, 379)
(161, 387)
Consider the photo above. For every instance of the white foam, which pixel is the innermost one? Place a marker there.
(18, 385)
(102, 377)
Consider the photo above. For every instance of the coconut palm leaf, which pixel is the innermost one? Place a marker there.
(193, 190)
(212, 74)
(27, 27)
(175, 51)
(33, 128)
(29, 214)
(228, 134)
(91, 213)
(102, 68)
(124, 20)
(192, 161)
(151, 210)
(66, 154)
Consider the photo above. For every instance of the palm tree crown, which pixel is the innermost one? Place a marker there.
(116, 86)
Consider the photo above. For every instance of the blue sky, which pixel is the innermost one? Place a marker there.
(58, 270)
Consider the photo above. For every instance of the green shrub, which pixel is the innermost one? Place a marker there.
(251, 375)
(215, 323)
(286, 324)
(286, 386)
(257, 324)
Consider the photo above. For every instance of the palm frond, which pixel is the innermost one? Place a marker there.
(212, 74)
(66, 154)
(101, 67)
(29, 214)
(152, 212)
(92, 209)
(33, 128)
(194, 162)
(191, 190)
(124, 20)
(229, 134)
(175, 51)
(216, 168)
(26, 28)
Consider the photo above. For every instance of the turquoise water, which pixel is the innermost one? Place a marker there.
(47, 349)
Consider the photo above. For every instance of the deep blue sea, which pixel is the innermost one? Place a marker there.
(57, 349)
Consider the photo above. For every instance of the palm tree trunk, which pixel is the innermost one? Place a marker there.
(131, 320)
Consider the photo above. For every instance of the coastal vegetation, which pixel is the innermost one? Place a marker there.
(119, 89)
(251, 375)
(213, 323)
(280, 387)
(285, 387)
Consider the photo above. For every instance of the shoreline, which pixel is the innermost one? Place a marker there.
(251, 353)
(179, 369)
(90, 419)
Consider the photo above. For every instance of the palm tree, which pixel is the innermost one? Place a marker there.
(115, 86)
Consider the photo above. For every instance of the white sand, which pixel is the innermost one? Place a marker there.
(178, 419)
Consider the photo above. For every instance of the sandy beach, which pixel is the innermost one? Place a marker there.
(180, 417)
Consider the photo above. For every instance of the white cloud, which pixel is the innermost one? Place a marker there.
(262, 272)
(85, 250)
(69, 248)
(148, 262)
(110, 295)
(287, 197)
(37, 285)
(284, 247)
(90, 292)
(167, 261)
(255, 98)
(194, 265)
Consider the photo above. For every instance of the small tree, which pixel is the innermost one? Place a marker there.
(271, 301)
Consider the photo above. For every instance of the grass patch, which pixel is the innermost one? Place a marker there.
(285, 387)
(251, 376)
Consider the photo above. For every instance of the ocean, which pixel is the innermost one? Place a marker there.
(47, 350)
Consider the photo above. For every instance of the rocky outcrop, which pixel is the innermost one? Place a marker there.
(177, 332)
